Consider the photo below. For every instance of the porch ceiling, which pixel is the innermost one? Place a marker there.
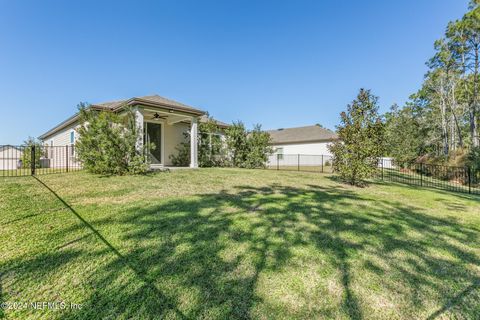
(169, 116)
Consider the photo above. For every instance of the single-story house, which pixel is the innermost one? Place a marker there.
(162, 121)
(305, 146)
(10, 157)
(309, 140)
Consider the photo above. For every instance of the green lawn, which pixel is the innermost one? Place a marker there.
(233, 244)
(319, 169)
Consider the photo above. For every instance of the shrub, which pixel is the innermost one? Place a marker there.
(248, 150)
(361, 140)
(211, 148)
(107, 143)
(182, 157)
(473, 161)
(27, 156)
(258, 148)
(240, 149)
(236, 139)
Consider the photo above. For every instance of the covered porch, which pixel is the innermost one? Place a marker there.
(166, 128)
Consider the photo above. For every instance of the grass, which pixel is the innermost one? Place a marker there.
(319, 169)
(27, 172)
(236, 244)
(414, 178)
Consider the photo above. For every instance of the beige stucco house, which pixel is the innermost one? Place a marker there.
(162, 121)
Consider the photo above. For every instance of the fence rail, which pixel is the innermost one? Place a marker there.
(33, 160)
(300, 162)
(456, 179)
(449, 178)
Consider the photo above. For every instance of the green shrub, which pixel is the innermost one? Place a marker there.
(360, 140)
(473, 161)
(258, 143)
(27, 155)
(107, 143)
(182, 157)
(240, 149)
(248, 149)
(211, 148)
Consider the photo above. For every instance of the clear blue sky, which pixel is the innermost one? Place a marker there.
(277, 63)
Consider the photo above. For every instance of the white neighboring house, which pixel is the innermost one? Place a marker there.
(310, 142)
(162, 121)
(10, 157)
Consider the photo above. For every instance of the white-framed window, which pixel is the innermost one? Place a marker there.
(279, 152)
(72, 137)
(51, 149)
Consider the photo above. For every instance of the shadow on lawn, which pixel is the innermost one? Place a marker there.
(202, 256)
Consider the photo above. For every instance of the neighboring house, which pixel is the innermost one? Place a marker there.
(162, 121)
(310, 140)
(10, 157)
(301, 146)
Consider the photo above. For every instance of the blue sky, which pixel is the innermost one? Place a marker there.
(277, 63)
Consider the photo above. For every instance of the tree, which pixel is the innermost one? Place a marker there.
(402, 134)
(361, 140)
(27, 156)
(108, 142)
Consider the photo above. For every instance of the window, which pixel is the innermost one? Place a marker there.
(279, 152)
(72, 137)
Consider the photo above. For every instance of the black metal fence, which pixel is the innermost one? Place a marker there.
(31, 160)
(456, 179)
(300, 162)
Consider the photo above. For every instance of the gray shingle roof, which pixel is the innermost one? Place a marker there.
(155, 99)
(152, 100)
(221, 124)
(302, 134)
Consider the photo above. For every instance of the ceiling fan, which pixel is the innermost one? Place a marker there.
(156, 116)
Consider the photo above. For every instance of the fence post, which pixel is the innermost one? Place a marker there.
(32, 160)
(382, 167)
(322, 163)
(66, 156)
(421, 174)
(298, 162)
(278, 159)
(469, 172)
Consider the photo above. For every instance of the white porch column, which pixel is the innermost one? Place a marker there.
(139, 124)
(194, 143)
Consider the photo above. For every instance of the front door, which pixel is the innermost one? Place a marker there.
(153, 136)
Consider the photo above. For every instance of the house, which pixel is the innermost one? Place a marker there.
(162, 121)
(301, 146)
(309, 140)
(10, 157)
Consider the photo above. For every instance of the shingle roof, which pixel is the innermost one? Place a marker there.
(155, 99)
(302, 134)
(221, 124)
(152, 101)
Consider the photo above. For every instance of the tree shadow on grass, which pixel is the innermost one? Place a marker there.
(203, 256)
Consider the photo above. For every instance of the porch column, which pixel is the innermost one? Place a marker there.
(139, 124)
(194, 143)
